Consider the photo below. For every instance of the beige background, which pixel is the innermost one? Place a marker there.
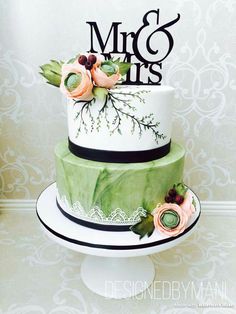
(202, 68)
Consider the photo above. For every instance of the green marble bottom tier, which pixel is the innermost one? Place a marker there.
(113, 192)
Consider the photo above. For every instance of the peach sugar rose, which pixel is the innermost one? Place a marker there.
(187, 205)
(170, 219)
(101, 78)
(80, 86)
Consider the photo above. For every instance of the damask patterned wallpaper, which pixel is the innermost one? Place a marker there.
(202, 68)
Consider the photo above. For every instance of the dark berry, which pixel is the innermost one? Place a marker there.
(82, 59)
(92, 59)
(172, 192)
(88, 65)
(168, 199)
(179, 199)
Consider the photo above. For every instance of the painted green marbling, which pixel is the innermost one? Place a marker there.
(115, 185)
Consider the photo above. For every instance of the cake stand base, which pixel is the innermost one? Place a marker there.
(117, 277)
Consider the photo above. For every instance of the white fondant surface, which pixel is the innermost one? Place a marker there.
(157, 100)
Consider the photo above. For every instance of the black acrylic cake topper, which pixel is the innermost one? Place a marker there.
(145, 37)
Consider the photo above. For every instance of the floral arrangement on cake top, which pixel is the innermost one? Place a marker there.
(170, 218)
(85, 76)
(87, 79)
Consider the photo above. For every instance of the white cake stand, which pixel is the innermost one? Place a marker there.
(117, 265)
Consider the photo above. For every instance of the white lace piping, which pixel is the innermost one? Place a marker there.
(96, 214)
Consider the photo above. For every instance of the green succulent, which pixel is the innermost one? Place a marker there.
(52, 72)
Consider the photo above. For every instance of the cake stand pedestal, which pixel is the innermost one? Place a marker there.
(116, 265)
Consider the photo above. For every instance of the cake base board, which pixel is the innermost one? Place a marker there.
(117, 265)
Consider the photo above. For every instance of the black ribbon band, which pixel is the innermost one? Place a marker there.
(118, 156)
(93, 225)
(116, 247)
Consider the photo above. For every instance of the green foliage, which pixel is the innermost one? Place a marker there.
(100, 92)
(123, 66)
(144, 227)
(180, 188)
(52, 72)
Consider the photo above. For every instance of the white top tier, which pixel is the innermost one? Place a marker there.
(134, 118)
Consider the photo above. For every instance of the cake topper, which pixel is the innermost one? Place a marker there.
(145, 51)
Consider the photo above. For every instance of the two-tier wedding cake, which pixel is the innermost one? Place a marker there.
(118, 170)
(118, 163)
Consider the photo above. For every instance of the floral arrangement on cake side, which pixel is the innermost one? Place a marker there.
(170, 218)
(89, 78)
